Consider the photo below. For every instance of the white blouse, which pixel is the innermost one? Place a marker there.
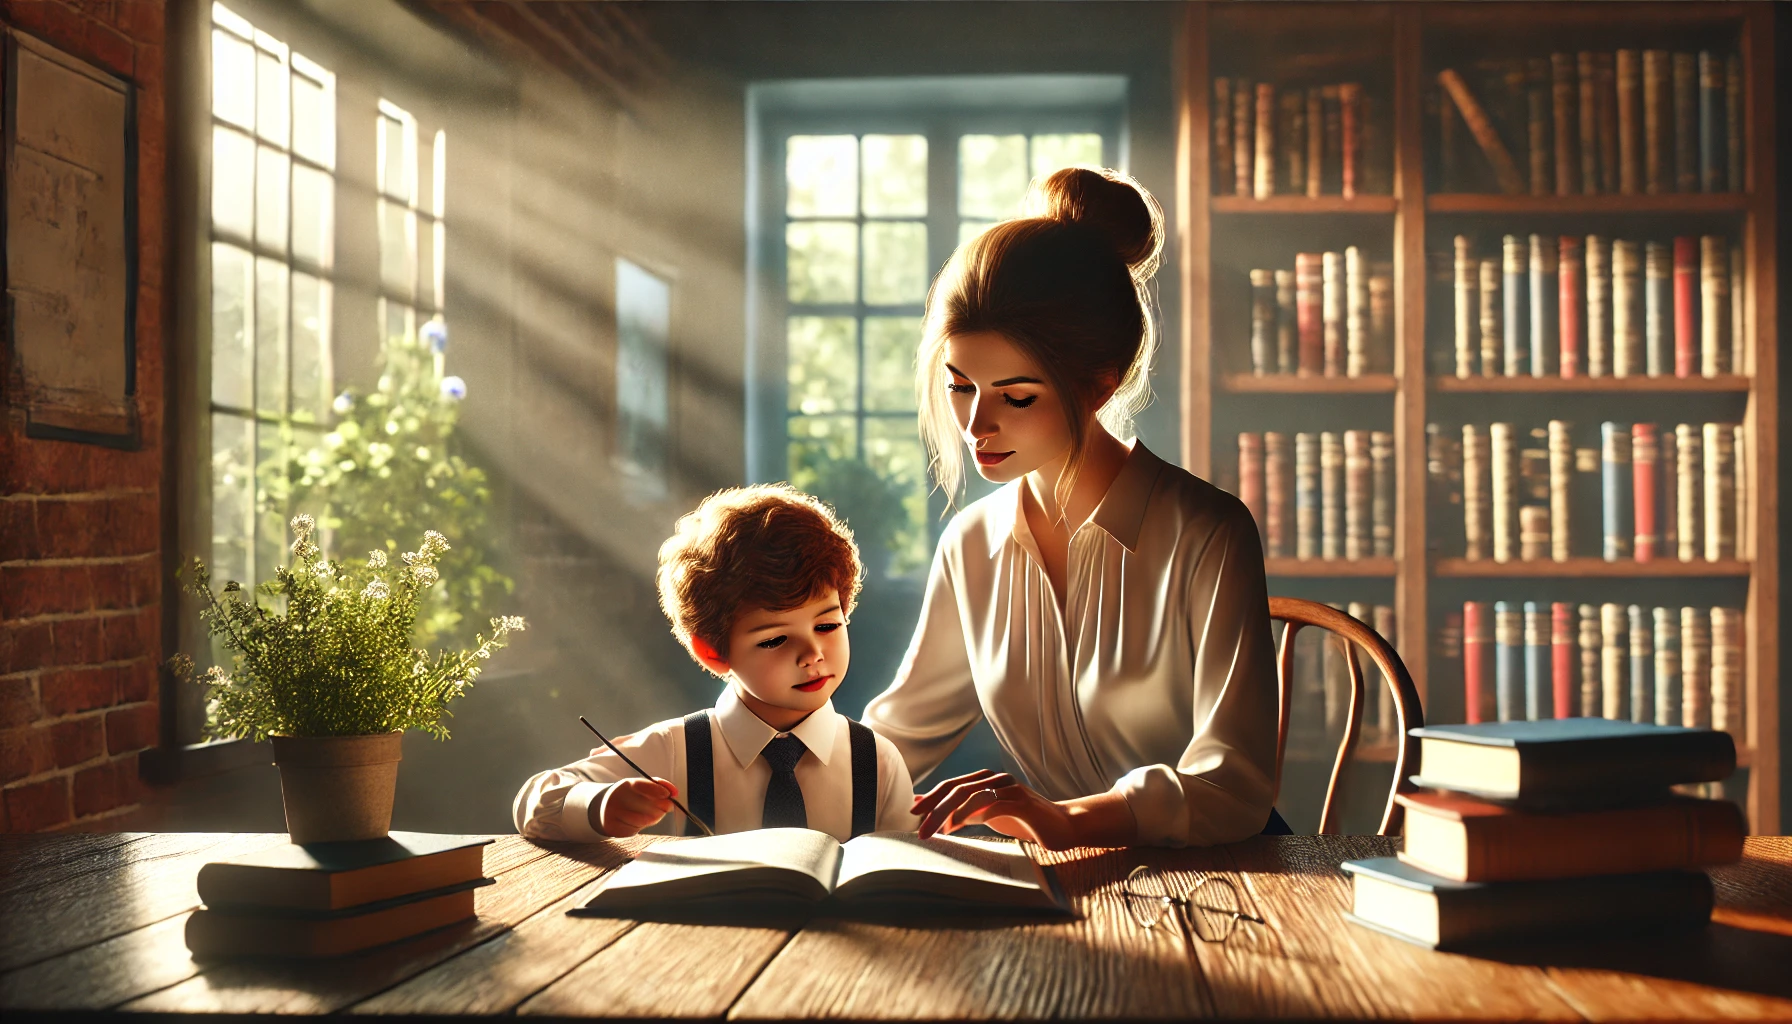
(1157, 681)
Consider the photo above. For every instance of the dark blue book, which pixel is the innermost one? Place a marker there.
(1538, 690)
(1517, 290)
(1617, 498)
(1397, 899)
(1642, 664)
(1712, 115)
(1585, 761)
(1546, 321)
(1508, 661)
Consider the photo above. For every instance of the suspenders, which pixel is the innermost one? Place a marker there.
(700, 772)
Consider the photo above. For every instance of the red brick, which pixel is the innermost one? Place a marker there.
(111, 49)
(38, 805)
(56, 22)
(96, 789)
(18, 529)
(131, 635)
(78, 642)
(78, 740)
(144, 21)
(24, 646)
(27, 590)
(25, 752)
(130, 729)
(72, 528)
(150, 66)
(133, 525)
(138, 681)
(75, 690)
(18, 705)
(131, 583)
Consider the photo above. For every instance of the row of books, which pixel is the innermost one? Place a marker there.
(1537, 829)
(1322, 679)
(1600, 308)
(1645, 492)
(1338, 484)
(1647, 121)
(1332, 316)
(1532, 660)
(1323, 140)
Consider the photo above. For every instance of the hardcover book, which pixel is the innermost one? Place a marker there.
(1627, 309)
(1493, 333)
(1645, 468)
(1263, 183)
(1537, 126)
(1591, 698)
(1564, 659)
(1332, 311)
(1726, 670)
(1545, 314)
(1642, 665)
(1733, 148)
(1222, 136)
(1711, 123)
(1614, 662)
(1629, 76)
(1309, 283)
(1508, 662)
(1657, 307)
(1715, 343)
(1477, 662)
(1689, 465)
(1517, 318)
(1287, 348)
(1381, 510)
(310, 934)
(1279, 493)
(1686, 306)
(1356, 313)
(1584, 761)
(1250, 477)
(1244, 150)
(1657, 127)
(1561, 480)
(1587, 88)
(335, 876)
(1695, 668)
(1467, 307)
(1720, 492)
(1263, 323)
(1686, 121)
(1571, 288)
(1562, 110)
(1503, 447)
(1331, 495)
(1599, 308)
(1618, 490)
(1537, 671)
(1357, 481)
(1477, 496)
(1306, 495)
(1667, 666)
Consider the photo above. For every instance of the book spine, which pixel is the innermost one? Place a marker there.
(1537, 134)
(1356, 494)
(1695, 668)
(1350, 113)
(1599, 307)
(1448, 154)
(1607, 114)
(1642, 665)
(1561, 480)
(1740, 361)
(1670, 492)
(1546, 315)
(1726, 670)
(1562, 95)
(1309, 281)
(1686, 122)
(1655, 121)
(1493, 334)
(1629, 91)
(1222, 134)
(1294, 133)
(1711, 123)
(1564, 689)
(1477, 494)
(1263, 322)
(1384, 624)
(1381, 316)
(1688, 472)
(1243, 136)
(1263, 171)
(1475, 117)
(1306, 495)
(1686, 310)
(1533, 532)
(1657, 307)
(1615, 478)
(1477, 663)
(1278, 488)
(1517, 318)
(1315, 141)
(1570, 288)
(1504, 465)
(1667, 667)
(1591, 644)
(1467, 307)
(1537, 672)
(1627, 320)
(1715, 343)
(1739, 460)
(1287, 358)
(1332, 311)
(1508, 661)
(1331, 495)
(1720, 492)
(1614, 662)
(1331, 163)
(1733, 137)
(1645, 470)
(1356, 313)
(1250, 477)
(1587, 87)
(1381, 510)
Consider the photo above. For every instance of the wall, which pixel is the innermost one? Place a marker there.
(80, 526)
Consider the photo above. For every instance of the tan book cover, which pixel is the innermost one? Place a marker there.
(1493, 331)
(1356, 313)
(1264, 172)
(1614, 661)
(1741, 360)
(1504, 465)
(1627, 309)
(1591, 701)
(1727, 672)
(1306, 495)
(1720, 492)
(1467, 307)
(1477, 498)
(1222, 135)
(1689, 474)
(1331, 495)
(1599, 307)
(1561, 482)
(1695, 668)
(1357, 494)
(1332, 311)
(1715, 342)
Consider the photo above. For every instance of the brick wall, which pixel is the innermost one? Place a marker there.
(80, 526)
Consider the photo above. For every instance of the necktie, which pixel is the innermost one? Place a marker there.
(783, 797)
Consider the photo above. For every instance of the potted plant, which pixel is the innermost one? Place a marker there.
(328, 674)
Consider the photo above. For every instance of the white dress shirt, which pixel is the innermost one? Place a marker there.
(1154, 679)
(557, 804)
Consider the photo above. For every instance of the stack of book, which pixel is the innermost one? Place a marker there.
(1332, 316)
(1323, 140)
(1591, 306)
(1537, 829)
(1339, 484)
(1646, 121)
(328, 899)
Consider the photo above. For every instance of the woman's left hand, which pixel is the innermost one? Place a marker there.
(1002, 802)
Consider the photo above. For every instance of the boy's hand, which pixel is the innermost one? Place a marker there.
(633, 805)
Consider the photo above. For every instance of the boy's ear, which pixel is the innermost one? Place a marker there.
(708, 656)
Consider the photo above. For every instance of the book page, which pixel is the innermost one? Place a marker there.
(981, 864)
(725, 864)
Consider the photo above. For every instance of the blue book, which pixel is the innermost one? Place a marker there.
(1642, 664)
(1546, 297)
(1585, 760)
(1618, 500)
(1538, 689)
(1508, 661)
(1516, 287)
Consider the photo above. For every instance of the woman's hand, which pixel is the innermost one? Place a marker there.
(1003, 803)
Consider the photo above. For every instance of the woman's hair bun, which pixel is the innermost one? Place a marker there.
(1110, 202)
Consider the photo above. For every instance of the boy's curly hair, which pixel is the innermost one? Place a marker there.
(769, 546)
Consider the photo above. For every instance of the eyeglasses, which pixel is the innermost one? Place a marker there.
(1209, 910)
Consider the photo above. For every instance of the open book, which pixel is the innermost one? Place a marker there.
(884, 873)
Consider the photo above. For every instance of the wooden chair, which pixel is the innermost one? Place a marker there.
(1298, 613)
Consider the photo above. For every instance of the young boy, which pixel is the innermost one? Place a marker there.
(758, 583)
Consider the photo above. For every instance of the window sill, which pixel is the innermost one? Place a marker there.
(169, 765)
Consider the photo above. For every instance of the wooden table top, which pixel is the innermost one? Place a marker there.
(94, 922)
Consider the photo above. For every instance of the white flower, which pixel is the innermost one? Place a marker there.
(425, 575)
(422, 454)
(454, 387)
(376, 559)
(302, 525)
(434, 543)
(343, 403)
(435, 334)
(376, 590)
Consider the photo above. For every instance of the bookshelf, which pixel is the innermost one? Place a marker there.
(1395, 51)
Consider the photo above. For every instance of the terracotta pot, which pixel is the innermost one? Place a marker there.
(338, 787)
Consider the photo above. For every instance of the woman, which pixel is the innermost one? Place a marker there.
(1106, 611)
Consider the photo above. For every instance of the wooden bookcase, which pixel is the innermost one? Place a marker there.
(1396, 49)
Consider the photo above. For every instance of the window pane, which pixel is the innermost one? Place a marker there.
(440, 232)
(823, 364)
(233, 79)
(233, 182)
(399, 320)
(895, 263)
(313, 121)
(271, 111)
(232, 364)
(643, 326)
(271, 195)
(969, 229)
(270, 500)
(233, 497)
(992, 175)
(312, 379)
(821, 174)
(270, 336)
(816, 441)
(398, 248)
(895, 175)
(313, 213)
(394, 159)
(438, 178)
(893, 449)
(1054, 152)
(822, 261)
(890, 344)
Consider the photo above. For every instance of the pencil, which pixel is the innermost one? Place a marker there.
(699, 822)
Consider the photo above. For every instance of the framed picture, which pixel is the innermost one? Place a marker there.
(71, 246)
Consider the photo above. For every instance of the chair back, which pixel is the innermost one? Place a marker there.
(1298, 613)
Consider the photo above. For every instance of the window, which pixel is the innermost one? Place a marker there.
(643, 413)
(412, 235)
(273, 198)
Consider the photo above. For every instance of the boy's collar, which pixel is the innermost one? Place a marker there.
(747, 734)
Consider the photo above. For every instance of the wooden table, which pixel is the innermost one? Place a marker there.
(94, 922)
